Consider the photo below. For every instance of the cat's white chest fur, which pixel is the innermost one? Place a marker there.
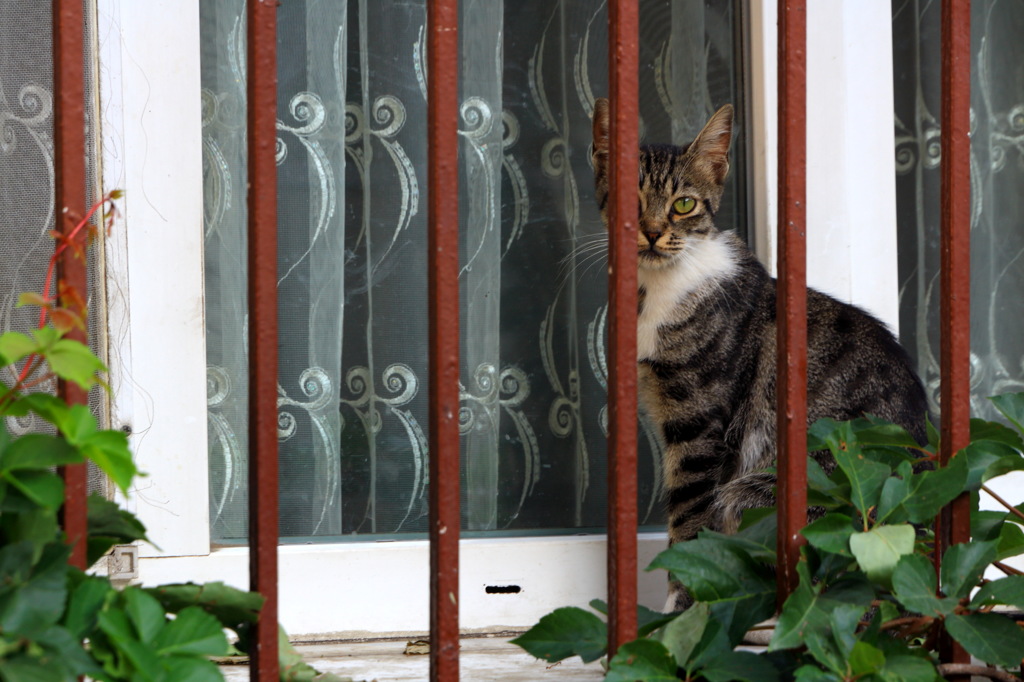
(701, 263)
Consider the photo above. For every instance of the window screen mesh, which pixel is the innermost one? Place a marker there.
(27, 179)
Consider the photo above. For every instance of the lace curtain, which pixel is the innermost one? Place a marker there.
(27, 187)
(351, 160)
(997, 204)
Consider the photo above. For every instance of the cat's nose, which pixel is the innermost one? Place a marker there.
(652, 236)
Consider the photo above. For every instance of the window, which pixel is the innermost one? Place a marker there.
(153, 112)
(352, 277)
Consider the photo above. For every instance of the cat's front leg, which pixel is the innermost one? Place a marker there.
(692, 475)
(692, 471)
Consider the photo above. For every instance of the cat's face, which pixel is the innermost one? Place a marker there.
(680, 187)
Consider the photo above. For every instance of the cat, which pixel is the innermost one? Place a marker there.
(706, 342)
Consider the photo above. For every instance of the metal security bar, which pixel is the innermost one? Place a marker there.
(443, 294)
(69, 199)
(791, 301)
(623, 67)
(69, 122)
(261, 139)
(955, 299)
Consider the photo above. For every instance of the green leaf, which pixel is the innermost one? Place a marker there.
(808, 608)
(756, 540)
(109, 450)
(1008, 590)
(740, 666)
(109, 525)
(74, 361)
(647, 620)
(878, 550)
(930, 491)
(84, 604)
(989, 636)
(145, 613)
(642, 660)
(987, 459)
(42, 487)
(874, 432)
(963, 566)
(903, 668)
(1012, 407)
(565, 632)
(142, 658)
(40, 668)
(682, 635)
(38, 452)
(832, 645)
(34, 596)
(740, 590)
(230, 605)
(934, 436)
(895, 492)
(1002, 466)
(15, 346)
(822, 490)
(866, 477)
(986, 525)
(866, 659)
(61, 647)
(810, 673)
(1010, 542)
(987, 430)
(192, 669)
(193, 632)
(712, 569)
(914, 585)
(831, 533)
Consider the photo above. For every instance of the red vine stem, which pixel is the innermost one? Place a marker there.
(1013, 510)
(62, 245)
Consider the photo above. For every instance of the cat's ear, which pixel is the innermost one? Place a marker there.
(602, 126)
(712, 144)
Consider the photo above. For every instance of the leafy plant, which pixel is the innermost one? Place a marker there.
(869, 604)
(58, 623)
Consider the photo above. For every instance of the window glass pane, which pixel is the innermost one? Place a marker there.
(997, 205)
(352, 235)
(27, 187)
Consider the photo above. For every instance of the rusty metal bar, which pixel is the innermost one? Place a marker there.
(70, 200)
(623, 70)
(791, 300)
(955, 278)
(443, 294)
(261, 136)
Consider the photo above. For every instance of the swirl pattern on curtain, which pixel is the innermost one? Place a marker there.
(352, 231)
(997, 205)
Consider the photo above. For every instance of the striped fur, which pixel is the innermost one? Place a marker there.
(706, 342)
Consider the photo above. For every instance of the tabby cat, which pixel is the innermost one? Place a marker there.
(706, 342)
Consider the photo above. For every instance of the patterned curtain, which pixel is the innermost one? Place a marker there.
(27, 188)
(997, 203)
(352, 234)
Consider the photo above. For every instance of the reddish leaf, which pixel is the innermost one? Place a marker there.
(64, 320)
(32, 298)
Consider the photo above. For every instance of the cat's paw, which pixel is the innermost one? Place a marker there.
(678, 599)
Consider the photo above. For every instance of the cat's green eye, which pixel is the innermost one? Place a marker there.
(684, 205)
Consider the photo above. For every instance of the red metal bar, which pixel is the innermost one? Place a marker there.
(954, 525)
(623, 70)
(792, 292)
(69, 200)
(443, 293)
(261, 136)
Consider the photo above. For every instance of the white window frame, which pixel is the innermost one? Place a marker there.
(150, 90)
